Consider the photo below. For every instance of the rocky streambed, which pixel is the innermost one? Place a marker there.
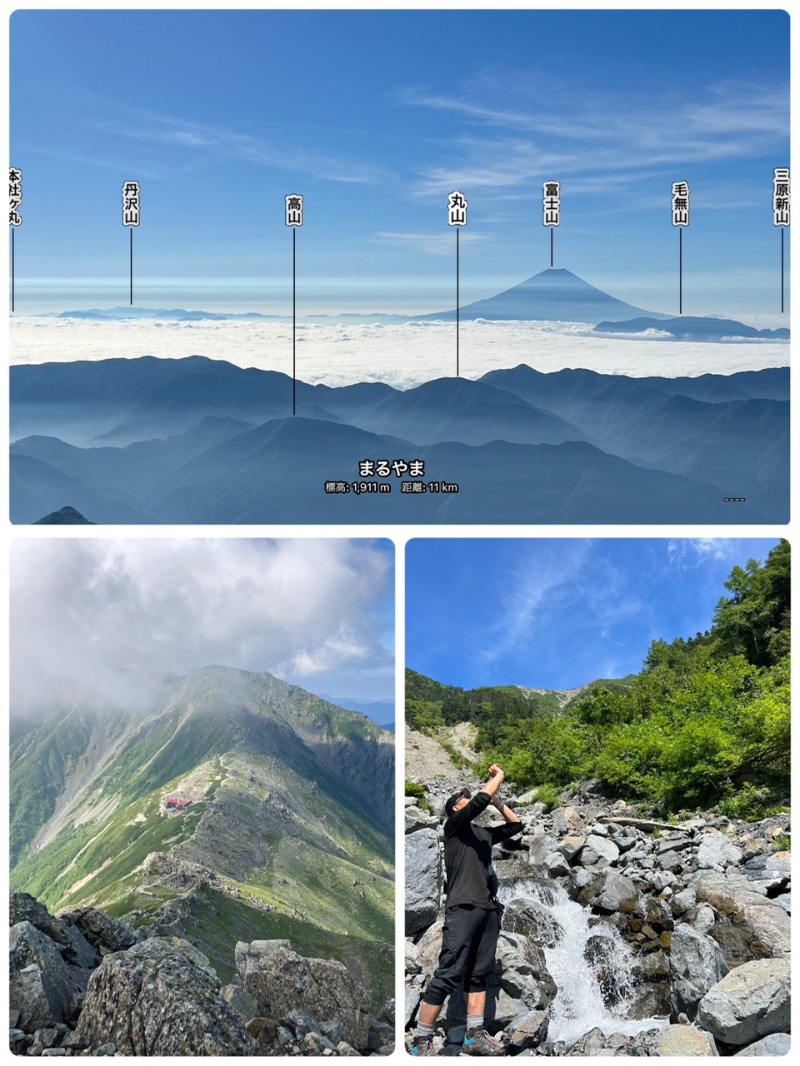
(622, 935)
(86, 983)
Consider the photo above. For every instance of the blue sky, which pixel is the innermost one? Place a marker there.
(558, 613)
(375, 117)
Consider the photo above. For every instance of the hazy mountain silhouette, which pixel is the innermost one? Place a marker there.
(198, 440)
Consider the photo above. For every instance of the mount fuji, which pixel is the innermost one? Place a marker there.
(554, 294)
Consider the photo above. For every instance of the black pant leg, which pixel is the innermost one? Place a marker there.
(486, 950)
(463, 930)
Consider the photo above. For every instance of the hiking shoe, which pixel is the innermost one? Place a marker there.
(479, 1042)
(423, 1045)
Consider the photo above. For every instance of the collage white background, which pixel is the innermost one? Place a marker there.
(398, 534)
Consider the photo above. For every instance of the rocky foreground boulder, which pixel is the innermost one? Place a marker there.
(159, 998)
(86, 983)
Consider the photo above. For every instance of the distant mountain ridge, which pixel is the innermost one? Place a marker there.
(288, 821)
(690, 328)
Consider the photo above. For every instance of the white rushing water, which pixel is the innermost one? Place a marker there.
(590, 963)
(400, 354)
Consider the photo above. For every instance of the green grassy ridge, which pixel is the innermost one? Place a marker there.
(323, 892)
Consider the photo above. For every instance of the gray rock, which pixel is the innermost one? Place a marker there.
(423, 879)
(752, 1001)
(716, 851)
(246, 1006)
(412, 958)
(598, 851)
(557, 865)
(333, 1029)
(612, 892)
(103, 932)
(763, 927)
(317, 1044)
(696, 963)
(301, 1022)
(683, 901)
(41, 985)
(412, 1002)
(429, 946)
(533, 921)
(280, 979)
(775, 867)
(419, 819)
(703, 919)
(528, 1030)
(343, 1048)
(774, 1044)
(570, 846)
(541, 845)
(566, 820)
(525, 984)
(154, 999)
(626, 840)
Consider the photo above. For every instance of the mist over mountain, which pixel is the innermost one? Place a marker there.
(200, 440)
(280, 822)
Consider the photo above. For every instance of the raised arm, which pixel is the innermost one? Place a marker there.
(496, 778)
(513, 824)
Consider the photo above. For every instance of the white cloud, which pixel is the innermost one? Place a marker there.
(586, 133)
(689, 554)
(97, 618)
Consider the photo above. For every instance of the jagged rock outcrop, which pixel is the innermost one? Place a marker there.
(160, 995)
(278, 979)
(104, 932)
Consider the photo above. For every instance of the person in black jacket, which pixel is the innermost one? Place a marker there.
(472, 915)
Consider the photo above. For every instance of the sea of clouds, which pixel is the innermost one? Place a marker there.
(401, 354)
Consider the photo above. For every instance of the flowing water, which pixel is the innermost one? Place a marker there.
(590, 963)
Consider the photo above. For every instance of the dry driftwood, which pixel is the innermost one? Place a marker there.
(637, 823)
